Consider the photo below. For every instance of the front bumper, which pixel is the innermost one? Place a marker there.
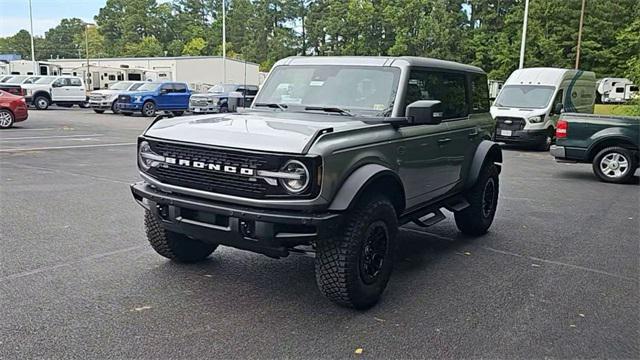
(101, 105)
(204, 109)
(522, 136)
(129, 106)
(269, 232)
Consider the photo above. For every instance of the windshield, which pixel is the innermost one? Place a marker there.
(525, 96)
(31, 80)
(135, 86)
(122, 85)
(17, 79)
(223, 88)
(148, 86)
(45, 80)
(363, 90)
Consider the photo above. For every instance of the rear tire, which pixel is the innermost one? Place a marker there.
(615, 165)
(41, 102)
(476, 219)
(6, 119)
(353, 268)
(175, 246)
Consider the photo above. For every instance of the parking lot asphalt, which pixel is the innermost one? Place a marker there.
(557, 276)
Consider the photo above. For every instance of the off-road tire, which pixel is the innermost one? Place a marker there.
(6, 118)
(338, 263)
(41, 102)
(98, 111)
(626, 176)
(175, 246)
(148, 109)
(476, 219)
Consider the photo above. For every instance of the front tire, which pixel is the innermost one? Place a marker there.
(615, 165)
(148, 109)
(41, 102)
(353, 268)
(114, 107)
(476, 219)
(175, 246)
(6, 119)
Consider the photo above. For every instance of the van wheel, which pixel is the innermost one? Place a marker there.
(615, 165)
(353, 268)
(175, 246)
(149, 109)
(41, 102)
(476, 219)
(6, 119)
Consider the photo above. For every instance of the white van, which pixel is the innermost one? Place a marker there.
(528, 106)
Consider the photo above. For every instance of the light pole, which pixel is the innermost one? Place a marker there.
(524, 33)
(224, 43)
(580, 34)
(86, 45)
(33, 51)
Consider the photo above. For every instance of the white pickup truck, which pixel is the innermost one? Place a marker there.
(63, 91)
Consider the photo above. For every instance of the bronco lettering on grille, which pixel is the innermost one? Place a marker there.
(211, 166)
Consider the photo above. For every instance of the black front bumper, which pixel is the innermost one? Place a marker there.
(522, 136)
(268, 232)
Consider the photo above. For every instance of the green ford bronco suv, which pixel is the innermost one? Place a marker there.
(334, 155)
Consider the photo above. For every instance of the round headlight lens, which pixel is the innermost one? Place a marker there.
(300, 179)
(147, 158)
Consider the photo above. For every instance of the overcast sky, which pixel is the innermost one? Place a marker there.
(14, 14)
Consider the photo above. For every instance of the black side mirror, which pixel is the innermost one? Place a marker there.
(424, 112)
(558, 108)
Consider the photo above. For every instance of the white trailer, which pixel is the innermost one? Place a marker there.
(26, 67)
(615, 90)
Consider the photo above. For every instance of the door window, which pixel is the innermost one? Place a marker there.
(179, 88)
(479, 93)
(167, 87)
(447, 87)
(74, 82)
(60, 82)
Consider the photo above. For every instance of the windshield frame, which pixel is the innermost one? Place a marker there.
(552, 94)
(351, 109)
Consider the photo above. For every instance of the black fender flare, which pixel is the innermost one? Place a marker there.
(353, 187)
(487, 150)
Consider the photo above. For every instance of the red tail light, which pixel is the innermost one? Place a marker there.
(561, 129)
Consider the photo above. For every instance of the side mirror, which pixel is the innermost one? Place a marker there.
(424, 112)
(558, 108)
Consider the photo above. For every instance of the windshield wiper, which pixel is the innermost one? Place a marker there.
(272, 105)
(329, 109)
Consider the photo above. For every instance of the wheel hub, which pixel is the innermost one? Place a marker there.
(488, 198)
(374, 252)
(614, 165)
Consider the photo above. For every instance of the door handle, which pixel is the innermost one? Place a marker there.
(443, 141)
(474, 134)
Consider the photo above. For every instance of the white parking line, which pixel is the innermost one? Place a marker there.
(63, 147)
(36, 129)
(50, 137)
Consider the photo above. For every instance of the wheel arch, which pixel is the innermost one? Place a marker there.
(369, 178)
(486, 151)
(41, 93)
(604, 143)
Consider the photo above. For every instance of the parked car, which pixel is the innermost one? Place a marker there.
(5, 78)
(531, 100)
(12, 89)
(223, 98)
(22, 79)
(13, 109)
(329, 166)
(610, 143)
(154, 96)
(101, 100)
(60, 90)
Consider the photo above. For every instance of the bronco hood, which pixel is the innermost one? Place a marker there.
(280, 132)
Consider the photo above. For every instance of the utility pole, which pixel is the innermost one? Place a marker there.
(224, 43)
(33, 51)
(524, 33)
(86, 42)
(580, 34)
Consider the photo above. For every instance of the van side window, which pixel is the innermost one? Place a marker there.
(480, 93)
(448, 87)
(558, 99)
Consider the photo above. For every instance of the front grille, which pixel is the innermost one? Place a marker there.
(217, 181)
(510, 123)
(95, 97)
(199, 102)
(124, 98)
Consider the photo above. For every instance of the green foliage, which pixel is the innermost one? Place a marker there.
(485, 33)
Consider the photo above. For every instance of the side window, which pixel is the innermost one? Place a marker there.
(479, 93)
(448, 87)
(179, 88)
(167, 87)
(559, 100)
(60, 82)
(75, 82)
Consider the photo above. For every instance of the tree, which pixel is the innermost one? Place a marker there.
(148, 46)
(195, 46)
(60, 41)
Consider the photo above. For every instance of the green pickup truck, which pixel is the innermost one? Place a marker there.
(610, 143)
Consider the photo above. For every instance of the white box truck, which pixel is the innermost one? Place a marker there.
(528, 106)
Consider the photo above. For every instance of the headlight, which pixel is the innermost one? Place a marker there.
(535, 119)
(298, 180)
(137, 99)
(29, 92)
(147, 158)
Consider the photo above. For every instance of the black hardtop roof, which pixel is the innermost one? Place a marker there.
(379, 61)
